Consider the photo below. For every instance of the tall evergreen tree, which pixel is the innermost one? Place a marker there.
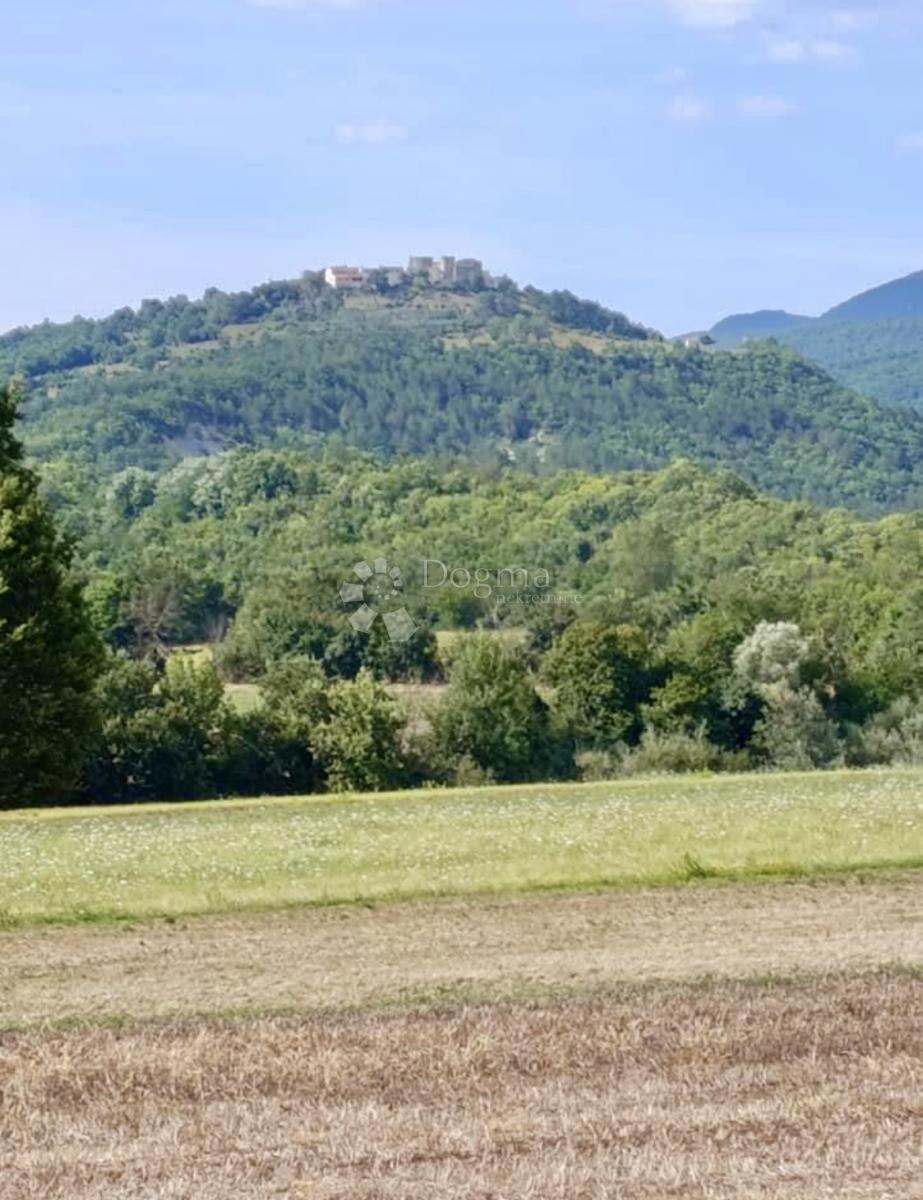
(49, 653)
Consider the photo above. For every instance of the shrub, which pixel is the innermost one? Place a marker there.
(596, 766)
(291, 619)
(261, 756)
(699, 686)
(294, 692)
(413, 661)
(357, 744)
(679, 753)
(273, 747)
(794, 733)
(469, 773)
(493, 716)
(773, 654)
(275, 625)
(601, 678)
(162, 738)
(893, 737)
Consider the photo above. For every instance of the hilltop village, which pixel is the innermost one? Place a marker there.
(446, 270)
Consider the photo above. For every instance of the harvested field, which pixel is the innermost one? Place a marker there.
(483, 947)
(700, 1041)
(785, 1092)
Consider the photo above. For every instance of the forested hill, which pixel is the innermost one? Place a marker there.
(899, 300)
(754, 327)
(872, 342)
(502, 375)
(146, 337)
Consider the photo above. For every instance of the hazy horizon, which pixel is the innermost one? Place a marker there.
(678, 160)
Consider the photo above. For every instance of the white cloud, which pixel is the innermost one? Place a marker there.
(793, 30)
(805, 50)
(791, 23)
(851, 20)
(788, 50)
(828, 50)
(689, 109)
(911, 141)
(717, 14)
(766, 107)
(371, 133)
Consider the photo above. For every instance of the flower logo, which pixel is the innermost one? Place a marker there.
(379, 585)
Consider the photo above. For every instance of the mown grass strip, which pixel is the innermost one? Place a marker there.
(105, 865)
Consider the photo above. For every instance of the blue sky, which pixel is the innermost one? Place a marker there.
(677, 159)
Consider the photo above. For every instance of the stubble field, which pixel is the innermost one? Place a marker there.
(790, 1092)
(501, 1006)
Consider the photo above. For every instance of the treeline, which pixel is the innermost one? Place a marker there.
(249, 550)
(505, 376)
(569, 625)
(871, 344)
(140, 337)
(601, 701)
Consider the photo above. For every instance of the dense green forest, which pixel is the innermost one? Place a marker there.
(535, 491)
(674, 620)
(250, 532)
(882, 358)
(732, 332)
(602, 624)
(542, 380)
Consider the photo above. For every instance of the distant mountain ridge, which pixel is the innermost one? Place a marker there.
(872, 342)
(898, 299)
(735, 330)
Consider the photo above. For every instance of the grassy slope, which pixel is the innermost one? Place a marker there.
(79, 865)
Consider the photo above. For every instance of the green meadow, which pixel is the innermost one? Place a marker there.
(70, 865)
